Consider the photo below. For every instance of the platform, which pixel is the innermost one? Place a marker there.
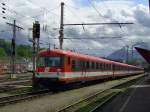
(136, 99)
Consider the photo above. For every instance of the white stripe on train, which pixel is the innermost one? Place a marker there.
(81, 74)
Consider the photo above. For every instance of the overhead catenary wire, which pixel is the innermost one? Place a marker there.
(104, 16)
(88, 24)
(90, 38)
(18, 14)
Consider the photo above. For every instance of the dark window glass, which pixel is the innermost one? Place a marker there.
(93, 65)
(69, 60)
(97, 66)
(73, 65)
(87, 65)
(50, 61)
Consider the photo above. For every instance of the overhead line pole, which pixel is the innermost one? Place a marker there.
(61, 26)
(98, 24)
(61, 34)
(13, 44)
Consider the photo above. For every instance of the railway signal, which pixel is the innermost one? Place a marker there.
(36, 37)
(36, 30)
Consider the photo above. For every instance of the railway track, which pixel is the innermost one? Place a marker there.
(24, 96)
(11, 80)
(23, 76)
(97, 100)
(15, 82)
(14, 85)
(36, 94)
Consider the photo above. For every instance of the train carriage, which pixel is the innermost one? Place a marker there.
(57, 67)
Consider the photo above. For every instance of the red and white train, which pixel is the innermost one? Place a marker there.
(57, 67)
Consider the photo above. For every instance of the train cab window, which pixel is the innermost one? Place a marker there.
(50, 61)
(53, 61)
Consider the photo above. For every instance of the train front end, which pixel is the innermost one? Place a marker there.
(49, 69)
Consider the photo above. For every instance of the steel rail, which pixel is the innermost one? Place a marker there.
(22, 97)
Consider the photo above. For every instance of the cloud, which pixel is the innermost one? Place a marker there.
(48, 13)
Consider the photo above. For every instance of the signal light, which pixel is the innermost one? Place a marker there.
(36, 30)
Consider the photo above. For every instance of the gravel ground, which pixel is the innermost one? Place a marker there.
(3, 95)
(57, 101)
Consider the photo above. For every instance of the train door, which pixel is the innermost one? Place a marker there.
(83, 66)
(113, 70)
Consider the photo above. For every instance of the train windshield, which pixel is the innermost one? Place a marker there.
(50, 61)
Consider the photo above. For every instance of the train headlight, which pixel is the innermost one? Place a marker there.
(58, 70)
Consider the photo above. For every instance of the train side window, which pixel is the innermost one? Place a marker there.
(87, 65)
(107, 67)
(73, 65)
(96, 66)
(69, 60)
(77, 65)
(93, 65)
(111, 67)
(103, 66)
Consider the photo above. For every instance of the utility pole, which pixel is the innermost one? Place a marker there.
(61, 33)
(132, 52)
(13, 45)
(127, 61)
(61, 26)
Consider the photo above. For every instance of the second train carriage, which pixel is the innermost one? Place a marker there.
(55, 67)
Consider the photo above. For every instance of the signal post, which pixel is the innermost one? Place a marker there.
(36, 37)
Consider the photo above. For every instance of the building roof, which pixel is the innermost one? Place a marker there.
(144, 53)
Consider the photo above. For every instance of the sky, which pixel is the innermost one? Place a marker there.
(47, 12)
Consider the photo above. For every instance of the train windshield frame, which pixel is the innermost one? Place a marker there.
(50, 61)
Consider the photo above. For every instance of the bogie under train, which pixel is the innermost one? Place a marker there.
(57, 67)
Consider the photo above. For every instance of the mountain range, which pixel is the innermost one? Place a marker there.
(121, 54)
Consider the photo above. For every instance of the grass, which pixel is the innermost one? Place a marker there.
(95, 103)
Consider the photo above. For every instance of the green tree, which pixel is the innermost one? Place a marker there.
(24, 51)
(2, 52)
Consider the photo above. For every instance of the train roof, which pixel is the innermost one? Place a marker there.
(82, 56)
